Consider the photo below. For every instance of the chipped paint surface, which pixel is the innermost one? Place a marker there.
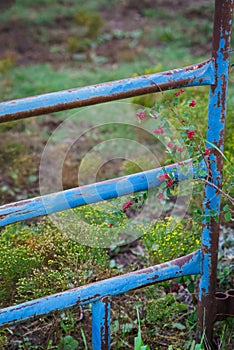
(101, 324)
(51, 203)
(215, 135)
(198, 74)
(187, 265)
(224, 305)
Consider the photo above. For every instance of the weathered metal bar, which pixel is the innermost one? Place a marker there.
(215, 135)
(186, 265)
(55, 202)
(101, 324)
(224, 305)
(197, 74)
(221, 306)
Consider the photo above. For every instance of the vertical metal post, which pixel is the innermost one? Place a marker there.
(215, 135)
(101, 324)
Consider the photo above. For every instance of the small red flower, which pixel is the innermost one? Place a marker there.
(192, 103)
(111, 225)
(190, 133)
(166, 177)
(160, 196)
(207, 152)
(127, 205)
(163, 177)
(157, 131)
(179, 92)
(182, 121)
(141, 115)
(170, 144)
(180, 149)
(170, 183)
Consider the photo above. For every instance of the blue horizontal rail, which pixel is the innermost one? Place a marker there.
(197, 74)
(186, 265)
(55, 202)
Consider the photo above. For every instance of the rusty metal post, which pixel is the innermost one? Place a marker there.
(225, 305)
(215, 135)
(101, 324)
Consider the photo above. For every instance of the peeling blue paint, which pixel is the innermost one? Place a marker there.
(101, 323)
(79, 196)
(187, 265)
(199, 74)
(215, 136)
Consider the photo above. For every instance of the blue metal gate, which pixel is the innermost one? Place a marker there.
(213, 72)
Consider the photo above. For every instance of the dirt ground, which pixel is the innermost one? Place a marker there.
(36, 44)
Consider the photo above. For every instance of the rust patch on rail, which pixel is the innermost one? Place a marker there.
(21, 203)
(18, 204)
(87, 300)
(105, 340)
(88, 101)
(105, 98)
(221, 30)
(19, 307)
(183, 260)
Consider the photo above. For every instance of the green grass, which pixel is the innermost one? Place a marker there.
(35, 79)
(44, 261)
(41, 12)
(42, 78)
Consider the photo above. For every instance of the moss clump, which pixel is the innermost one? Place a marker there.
(92, 23)
(7, 62)
(39, 260)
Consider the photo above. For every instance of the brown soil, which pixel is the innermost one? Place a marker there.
(37, 44)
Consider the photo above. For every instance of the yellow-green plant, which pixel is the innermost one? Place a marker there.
(40, 260)
(170, 238)
(91, 21)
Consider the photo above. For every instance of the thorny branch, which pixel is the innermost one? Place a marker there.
(231, 199)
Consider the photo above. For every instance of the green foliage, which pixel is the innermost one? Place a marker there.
(163, 308)
(138, 342)
(11, 150)
(184, 131)
(44, 12)
(7, 62)
(90, 26)
(4, 341)
(136, 165)
(68, 343)
(18, 167)
(75, 44)
(42, 78)
(91, 21)
(166, 239)
(41, 260)
(102, 225)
